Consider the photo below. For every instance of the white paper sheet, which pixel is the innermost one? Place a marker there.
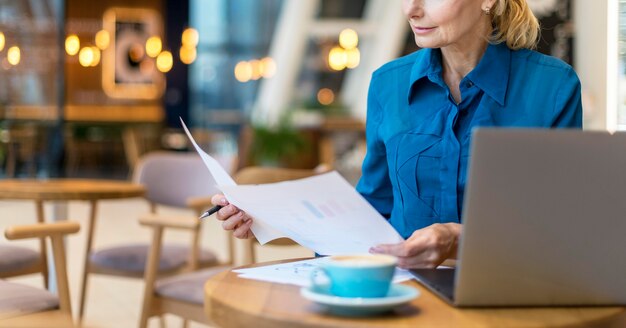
(323, 213)
(222, 178)
(298, 273)
(217, 171)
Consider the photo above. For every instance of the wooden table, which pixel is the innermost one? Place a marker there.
(235, 302)
(62, 190)
(68, 189)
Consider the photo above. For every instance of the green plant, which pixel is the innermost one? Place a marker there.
(334, 109)
(271, 145)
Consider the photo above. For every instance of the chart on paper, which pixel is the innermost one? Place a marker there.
(323, 213)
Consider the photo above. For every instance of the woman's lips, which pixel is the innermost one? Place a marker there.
(422, 30)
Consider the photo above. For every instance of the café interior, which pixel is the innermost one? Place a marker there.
(101, 189)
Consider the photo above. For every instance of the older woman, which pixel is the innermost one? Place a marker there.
(476, 68)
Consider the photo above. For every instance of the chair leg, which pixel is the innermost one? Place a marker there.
(42, 244)
(90, 231)
(150, 273)
(83, 293)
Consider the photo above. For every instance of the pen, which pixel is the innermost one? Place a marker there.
(210, 211)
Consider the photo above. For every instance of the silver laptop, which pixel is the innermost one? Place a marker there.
(544, 222)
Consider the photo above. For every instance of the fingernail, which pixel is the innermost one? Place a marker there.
(374, 250)
(223, 201)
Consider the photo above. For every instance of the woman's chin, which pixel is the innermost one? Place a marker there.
(424, 43)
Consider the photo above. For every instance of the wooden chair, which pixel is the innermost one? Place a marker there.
(182, 294)
(171, 179)
(18, 260)
(25, 306)
(259, 175)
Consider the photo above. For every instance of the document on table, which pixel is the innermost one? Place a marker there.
(299, 272)
(323, 213)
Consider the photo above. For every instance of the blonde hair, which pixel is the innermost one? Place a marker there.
(515, 24)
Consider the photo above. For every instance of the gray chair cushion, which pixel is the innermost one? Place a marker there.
(187, 287)
(132, 258)
(17, 299)
(13, 258)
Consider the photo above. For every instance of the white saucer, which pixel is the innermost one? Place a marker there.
(359, 306)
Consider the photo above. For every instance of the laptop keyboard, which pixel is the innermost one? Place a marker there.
(439, 280)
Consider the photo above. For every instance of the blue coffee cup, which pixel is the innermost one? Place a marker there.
(367, 275)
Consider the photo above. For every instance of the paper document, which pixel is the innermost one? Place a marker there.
(217, 171)
(299, 272)
(323, 213)
(260, 229)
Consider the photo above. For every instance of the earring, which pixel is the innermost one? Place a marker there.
(487, 11)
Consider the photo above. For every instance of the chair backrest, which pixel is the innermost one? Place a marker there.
(262, 174)
(171, 178)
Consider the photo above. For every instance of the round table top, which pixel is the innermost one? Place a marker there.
(68, 189)
(236, 302)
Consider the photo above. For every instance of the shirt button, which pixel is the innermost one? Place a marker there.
(469, 84)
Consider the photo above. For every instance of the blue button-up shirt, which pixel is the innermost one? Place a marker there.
(418, 137)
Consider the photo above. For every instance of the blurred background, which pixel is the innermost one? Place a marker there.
(87, 87)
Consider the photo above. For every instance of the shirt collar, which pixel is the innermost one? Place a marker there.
(491, 74)
(427, 63)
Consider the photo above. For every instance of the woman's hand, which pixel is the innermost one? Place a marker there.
(426, 248)
(233, 218)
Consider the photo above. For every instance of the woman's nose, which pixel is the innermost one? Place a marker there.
(413, 8)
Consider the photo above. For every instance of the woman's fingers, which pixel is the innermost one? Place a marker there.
(243, 231)
(233, 221)
(422, 261)
(398, 250)
(226, 212)
(233, 218)
(219, 199)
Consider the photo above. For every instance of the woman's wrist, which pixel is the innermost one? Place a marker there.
(455, 234)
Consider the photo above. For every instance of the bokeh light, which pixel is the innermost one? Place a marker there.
(190, 37)
(255, 64)
(86, 56)
(154, 46)
(96, 56)
(14, 55)
(72, 44)
(2, 41)
(268, 66)
(353, 57)
(187, 54)
(243, 71)
(103, 39)
(136, 53)
(337, 58)
(348, 39)
(325, 96)
(164, 61)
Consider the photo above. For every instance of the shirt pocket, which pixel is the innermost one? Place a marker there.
(418, 168)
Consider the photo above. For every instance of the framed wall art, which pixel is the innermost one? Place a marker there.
(127, 70)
